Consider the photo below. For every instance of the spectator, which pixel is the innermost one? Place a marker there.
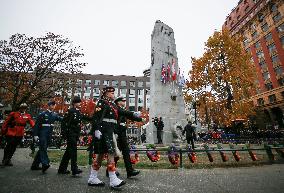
(190, 134)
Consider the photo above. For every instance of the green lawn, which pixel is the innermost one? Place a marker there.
(202, 160)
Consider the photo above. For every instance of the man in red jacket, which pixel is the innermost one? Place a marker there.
(14, 128)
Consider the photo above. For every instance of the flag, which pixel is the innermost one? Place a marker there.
(168, 72)
(174, 74)
(163, 74)
(181, 81)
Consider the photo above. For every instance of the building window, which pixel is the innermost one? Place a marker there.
(266, 76)
(271, 48)
(253, 26)
(281, 81)
(260, 17)
(264, 27)
(278, 70)
(78, 90)
(140, 100)
(132, 83)
(114, 83)
(148, 100)
(260, 55)
(254, 35)
(246, 42)
(272, 98)
(88, 83)
(106, 83)
(262, 64)
(123, 83)
(140, 84)
(280, 28)
(140, 92)
(246, 9)
(131, 91)
(96, 91)
(248, 50)
(123, 91)
(273, 7)
(88, 89)
(257, 45)
(277, 17)
(260, 101)
(147, 91)
(237, 10)
(79, 82)
(282, 94)
(275, 59)
(132, 100)
(268, 37)
(269, 86)
(238, 18)
(97, 82)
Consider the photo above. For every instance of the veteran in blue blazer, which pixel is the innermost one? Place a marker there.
(42, 132)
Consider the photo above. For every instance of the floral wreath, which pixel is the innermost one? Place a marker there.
(210, 157)
(134, 157)
(191, 155)
(173, 155)
(152, 153)
(252, 155)
(222, 153)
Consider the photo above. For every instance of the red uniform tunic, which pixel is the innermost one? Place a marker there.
(15, 123)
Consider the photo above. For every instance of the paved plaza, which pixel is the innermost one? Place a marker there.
(20, 179)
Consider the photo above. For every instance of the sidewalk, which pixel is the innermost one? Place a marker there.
(20, 179)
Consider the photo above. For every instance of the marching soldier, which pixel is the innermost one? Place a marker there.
(122, 138)
(43, 132)
(72, 133)
(104, 125)
(14, 128)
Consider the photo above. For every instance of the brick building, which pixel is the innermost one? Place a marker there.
(261, 23)
(135, 89)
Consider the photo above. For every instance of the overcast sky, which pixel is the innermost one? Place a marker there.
(116, 34)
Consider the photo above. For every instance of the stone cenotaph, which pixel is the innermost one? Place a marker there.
(166, 98)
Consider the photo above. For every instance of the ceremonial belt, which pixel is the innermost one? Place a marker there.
(47, 125)
(18, 124)
(122, 124)
(109, 120)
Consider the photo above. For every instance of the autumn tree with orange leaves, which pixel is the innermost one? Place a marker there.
(223, 80)
(32, 69)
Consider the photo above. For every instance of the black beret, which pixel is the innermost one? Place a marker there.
(51, 103)
(121, 98)
(76, 99)
(108, 89)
